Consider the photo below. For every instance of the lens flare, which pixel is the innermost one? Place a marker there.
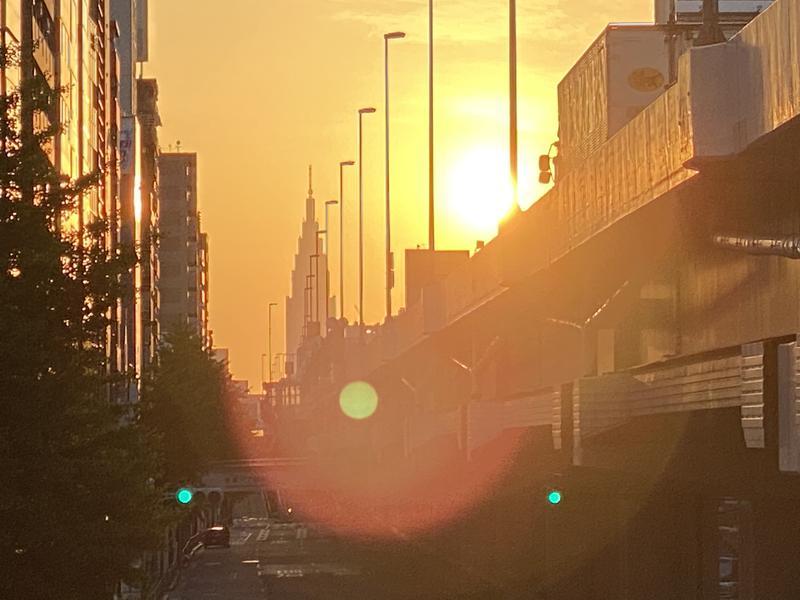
(358, 400)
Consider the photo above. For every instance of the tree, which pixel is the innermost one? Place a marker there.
(188, 406)
(77, 502)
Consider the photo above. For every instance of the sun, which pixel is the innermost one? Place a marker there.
(478, 188)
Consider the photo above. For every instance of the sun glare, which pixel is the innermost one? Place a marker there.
(479, 188)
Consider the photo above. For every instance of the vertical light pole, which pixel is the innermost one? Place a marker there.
(512, 77)
(361, 113)
(345, 163)
(269, 337)
(431, 223)
(328, 204)
(317, 255)
(396, 35)
(263, 380)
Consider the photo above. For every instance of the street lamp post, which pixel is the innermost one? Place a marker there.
(361, 113)
(269, 337)
(328, 204)
(317, 257)
(345, 163)
(512, 60)
(431, 226)
(263, 381)
(396, 35)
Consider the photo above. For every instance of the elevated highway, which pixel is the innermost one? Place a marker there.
(636, 330)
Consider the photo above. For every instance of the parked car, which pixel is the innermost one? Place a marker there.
(218, 535)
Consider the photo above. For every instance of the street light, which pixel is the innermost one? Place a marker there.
(512, 100)
(345, 163)
(269, 337)
(328, 204)
(389, 267)
(361, 113)
(431, 227)
(263, 381)
(317, 255)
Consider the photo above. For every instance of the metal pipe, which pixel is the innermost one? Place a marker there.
(787, 247)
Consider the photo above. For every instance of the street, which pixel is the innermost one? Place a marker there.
(270, 558)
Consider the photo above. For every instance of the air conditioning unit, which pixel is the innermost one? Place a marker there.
(691, 11)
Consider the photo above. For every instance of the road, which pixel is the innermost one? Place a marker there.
(287, 561)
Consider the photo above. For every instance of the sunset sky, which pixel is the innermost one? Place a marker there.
(260, 89)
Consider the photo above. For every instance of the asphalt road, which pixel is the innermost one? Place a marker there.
(224, 573)
(287, 561)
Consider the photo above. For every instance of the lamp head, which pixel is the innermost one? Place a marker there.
(347, 163)
(395, 35)
(366, 111)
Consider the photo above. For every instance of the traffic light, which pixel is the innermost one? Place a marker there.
(198, 496)
(554, 497)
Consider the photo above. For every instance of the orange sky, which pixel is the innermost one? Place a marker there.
(262, 88)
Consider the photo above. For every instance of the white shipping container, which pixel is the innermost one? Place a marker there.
(623, 71)
(627, 67)
(691, 11)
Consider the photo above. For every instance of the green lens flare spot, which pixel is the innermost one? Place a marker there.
(554, 497)
(184, 495)
(358, 400)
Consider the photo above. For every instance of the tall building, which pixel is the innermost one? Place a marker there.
(74, 46)
(182, 248)
(148, 121)
(130, 21)
(309, 299)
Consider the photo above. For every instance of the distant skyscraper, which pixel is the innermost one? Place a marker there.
(306, 306)
(182, 247)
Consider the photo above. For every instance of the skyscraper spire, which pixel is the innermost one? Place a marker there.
(310, 199)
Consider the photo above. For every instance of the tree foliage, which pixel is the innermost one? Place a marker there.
(188, 406)
(77, 502)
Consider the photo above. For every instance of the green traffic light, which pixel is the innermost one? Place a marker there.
(554, 497)
(184, 495)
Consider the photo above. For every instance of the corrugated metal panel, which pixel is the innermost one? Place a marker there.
(600, 403)
(789, 407)
(752, 392)
(487, 420)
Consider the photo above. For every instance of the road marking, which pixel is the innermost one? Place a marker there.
(263, 535)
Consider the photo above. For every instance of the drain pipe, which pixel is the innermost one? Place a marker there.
(788, 247)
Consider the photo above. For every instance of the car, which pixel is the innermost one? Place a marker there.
(218, 535)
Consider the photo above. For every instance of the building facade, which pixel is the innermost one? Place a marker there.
(182, 248)
(149, 121)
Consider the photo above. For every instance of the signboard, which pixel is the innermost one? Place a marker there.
(127, 145)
